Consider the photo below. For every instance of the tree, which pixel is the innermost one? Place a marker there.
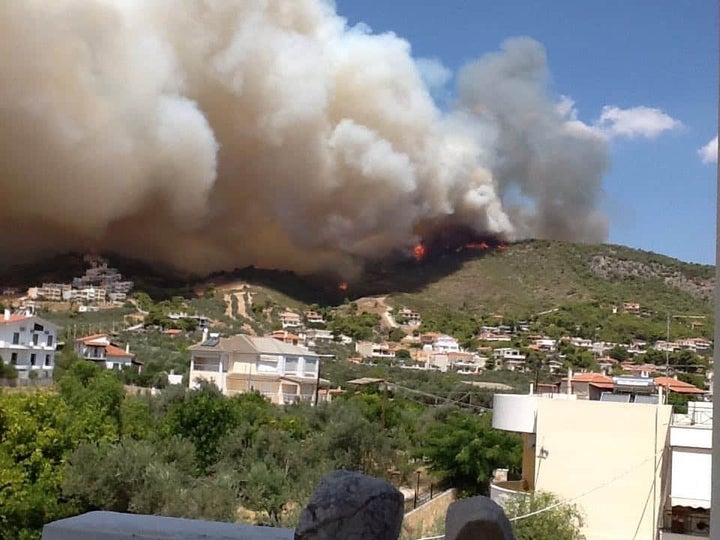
(465, 450)
(619, 353)
(396, 334)
(561, 521)
(145, 477)
(204, 417)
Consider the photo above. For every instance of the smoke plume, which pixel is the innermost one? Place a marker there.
(217, 134)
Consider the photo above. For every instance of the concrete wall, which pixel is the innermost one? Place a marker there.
(422, 520)
(608, 456)
(115, 526)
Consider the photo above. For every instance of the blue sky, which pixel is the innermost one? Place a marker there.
(659, 193)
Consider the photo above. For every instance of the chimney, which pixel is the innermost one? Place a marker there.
(569, 383)
(6, 315)
(127, 347)
(205, 334)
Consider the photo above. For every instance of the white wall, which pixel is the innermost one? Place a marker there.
(608, 458)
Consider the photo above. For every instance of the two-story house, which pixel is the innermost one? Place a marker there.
(28, 343)
(98, 348)
(288, 319)
(282, 372)
(445, 344)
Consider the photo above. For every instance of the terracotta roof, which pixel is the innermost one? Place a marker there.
(112, 350)
(590, 378)
(603, 385)
(13, 318)
(679, 387)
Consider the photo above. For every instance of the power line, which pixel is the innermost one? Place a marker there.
(592, 490)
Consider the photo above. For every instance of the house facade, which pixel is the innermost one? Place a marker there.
(28, 343)
(609, 458)
(99, 349)
(282, 372)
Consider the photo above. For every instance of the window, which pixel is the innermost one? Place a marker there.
(311, 367)
(13, 359)
(16, 338)
(48, 362)
(32, 359)
(49, 341)
(38, 327)
(291, 364)
(36, 337)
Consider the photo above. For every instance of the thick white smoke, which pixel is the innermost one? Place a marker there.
(214, 134)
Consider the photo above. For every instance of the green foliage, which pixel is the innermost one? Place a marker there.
(359, 327)
(396, 334)
(145, 477)
(7, 371)
(464, 449)
(561, 522)
(204, 417)
(619, 353)
(458, 324)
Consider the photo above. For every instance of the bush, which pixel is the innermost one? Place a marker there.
(561, 521)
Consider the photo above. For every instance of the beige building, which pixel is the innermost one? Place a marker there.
(282, 372)
(609, 458)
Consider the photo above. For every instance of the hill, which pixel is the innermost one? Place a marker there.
(535, 276)
(518, 280)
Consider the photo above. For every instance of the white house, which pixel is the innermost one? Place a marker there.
(28, 343)
(512, 359)
(368, 349)
(313, 317)
(281, 372)
(288, 319)
(445, 344)
(98, 348)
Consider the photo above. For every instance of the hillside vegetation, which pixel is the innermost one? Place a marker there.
(534, 276)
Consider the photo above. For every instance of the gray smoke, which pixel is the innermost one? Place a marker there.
(211, 135)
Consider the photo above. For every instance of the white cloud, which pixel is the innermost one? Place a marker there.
(634, 122)
(434, 73)
(709, 152)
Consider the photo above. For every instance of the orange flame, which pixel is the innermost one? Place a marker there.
(502, 247)
(481, 246)
(419, 252)
(343, 286)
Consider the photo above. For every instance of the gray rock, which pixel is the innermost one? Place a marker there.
(351, 506)
(477, 518)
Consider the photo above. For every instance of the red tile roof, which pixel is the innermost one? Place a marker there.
(679, 387)
(595, 378)
(14, 318)
(112, 350)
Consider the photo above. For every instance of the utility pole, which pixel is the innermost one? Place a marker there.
(317, 384)
(384, 405)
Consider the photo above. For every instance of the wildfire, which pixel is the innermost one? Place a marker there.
(343, 286)
(483, 246)
(419, 252)
(502, 247)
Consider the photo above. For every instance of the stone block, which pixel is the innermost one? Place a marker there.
(477, 518)
(352, 506)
